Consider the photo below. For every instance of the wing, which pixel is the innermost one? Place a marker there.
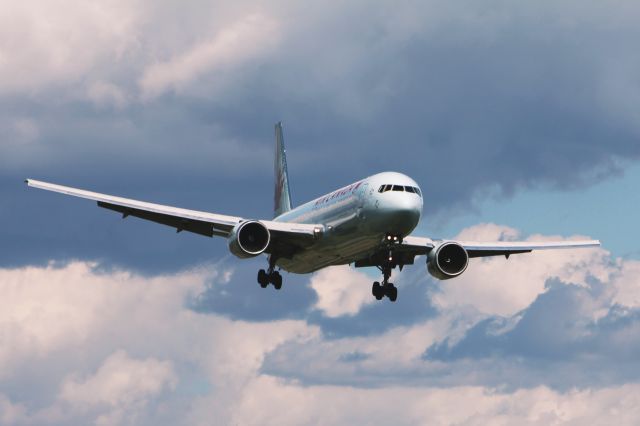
(419, 245)
(290, 236)
(478, 249)
(405, 253)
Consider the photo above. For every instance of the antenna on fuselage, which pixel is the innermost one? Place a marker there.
(282, 195)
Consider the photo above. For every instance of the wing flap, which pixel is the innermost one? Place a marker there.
(181, 224)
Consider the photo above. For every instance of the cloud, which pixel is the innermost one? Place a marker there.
(83, 344)
(341, 291)
(287, 404)
(49, 309)
(92, 344)
(234, 46)
(105, 94)
(123, 385)
(488, 98)
(504, 287)
(51, 43)
(568, 322)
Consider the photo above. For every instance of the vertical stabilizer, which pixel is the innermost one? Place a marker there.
(282, 197)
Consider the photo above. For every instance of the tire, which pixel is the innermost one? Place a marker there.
(263, 278)
(277, 280)
(377, 291)
(391, 292)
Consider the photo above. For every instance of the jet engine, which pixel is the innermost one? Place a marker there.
(448, 260)
(249, 239)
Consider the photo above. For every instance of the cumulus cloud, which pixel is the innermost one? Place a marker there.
(503, 287)
(288, 404)
(83, 343)
(113, 347)
(46, 310)
(122, 384)
(562, 325)
(341, 291)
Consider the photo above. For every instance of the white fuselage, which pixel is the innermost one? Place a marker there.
(356, 218)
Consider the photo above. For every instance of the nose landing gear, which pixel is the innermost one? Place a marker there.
(380, 290)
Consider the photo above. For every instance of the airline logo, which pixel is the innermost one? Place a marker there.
(347, 190)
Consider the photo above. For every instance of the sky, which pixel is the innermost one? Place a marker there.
(519, 120)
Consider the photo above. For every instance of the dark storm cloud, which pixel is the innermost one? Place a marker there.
(464, 97)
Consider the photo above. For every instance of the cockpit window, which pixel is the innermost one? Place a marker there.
(400, 188)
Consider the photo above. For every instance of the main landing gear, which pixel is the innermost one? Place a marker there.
(380, 290)
(270, 276)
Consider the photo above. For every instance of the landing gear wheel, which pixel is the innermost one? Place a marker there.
(276, 280)
(263, 278)
(391, 292)
(377, 291)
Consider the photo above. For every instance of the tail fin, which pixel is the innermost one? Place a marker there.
(282, 198)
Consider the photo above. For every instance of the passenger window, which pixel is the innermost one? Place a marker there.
(398, 188)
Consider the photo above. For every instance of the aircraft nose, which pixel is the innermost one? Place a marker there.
(403, 213)
(410, 209)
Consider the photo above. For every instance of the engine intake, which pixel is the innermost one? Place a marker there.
(249, 239)
(448, 260)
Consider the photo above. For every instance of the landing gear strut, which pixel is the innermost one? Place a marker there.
(380, 290)
(270, 276)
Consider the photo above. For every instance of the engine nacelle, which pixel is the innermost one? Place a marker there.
(448, 260)
(249, 239)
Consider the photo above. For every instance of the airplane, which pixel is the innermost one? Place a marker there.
(366, 224)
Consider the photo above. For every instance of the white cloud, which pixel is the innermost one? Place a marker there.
(119, 347)
(51, 42)
(285, 403)
(503, 287)
(341, 291)
(120, 388)
(78, 327)
(11, 413)
(238, 44)
(49, 309)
